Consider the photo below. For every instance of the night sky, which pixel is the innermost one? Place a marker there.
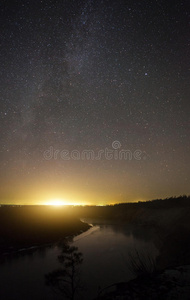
(94, 75)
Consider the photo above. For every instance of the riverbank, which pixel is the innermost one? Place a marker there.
(28, 228)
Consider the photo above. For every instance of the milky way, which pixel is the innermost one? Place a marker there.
(80, 75)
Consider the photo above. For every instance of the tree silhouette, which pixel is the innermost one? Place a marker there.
(67, 279)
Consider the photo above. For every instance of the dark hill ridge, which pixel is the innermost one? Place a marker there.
(156, 212)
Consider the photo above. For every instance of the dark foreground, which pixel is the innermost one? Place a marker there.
(172, 283)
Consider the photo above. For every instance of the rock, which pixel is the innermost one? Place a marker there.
(171, 284)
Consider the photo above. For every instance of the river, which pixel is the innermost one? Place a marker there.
(106, 249)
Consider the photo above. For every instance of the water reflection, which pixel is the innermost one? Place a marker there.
(105, 249)
(106, 253)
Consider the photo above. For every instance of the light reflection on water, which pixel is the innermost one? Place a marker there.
(105, 249)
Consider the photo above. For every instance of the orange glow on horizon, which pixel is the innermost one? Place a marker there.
(62, 202)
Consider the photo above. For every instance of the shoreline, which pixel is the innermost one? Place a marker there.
(16, 250)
